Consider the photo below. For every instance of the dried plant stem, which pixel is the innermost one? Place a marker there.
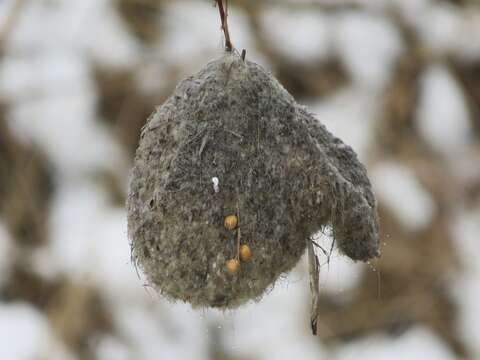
(238, 230)
(314, 285)
(223, 18)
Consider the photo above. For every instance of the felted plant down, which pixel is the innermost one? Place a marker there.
(232, 141)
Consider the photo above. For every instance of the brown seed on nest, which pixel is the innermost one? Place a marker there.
(245, 253)
(232, 266)
(231, 222)
(279, 167)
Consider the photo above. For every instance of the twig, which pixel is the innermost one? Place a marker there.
(321, 248)
(233, 133)
(223, 18)
(238, 229)
(314, 285)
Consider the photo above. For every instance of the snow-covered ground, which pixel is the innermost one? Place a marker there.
(46, 79)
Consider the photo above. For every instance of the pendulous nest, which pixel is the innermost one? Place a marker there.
(278, 169)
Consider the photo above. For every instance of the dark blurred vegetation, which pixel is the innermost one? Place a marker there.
(409, 285)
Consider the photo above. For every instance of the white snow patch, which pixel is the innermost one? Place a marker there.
(6, 7)
(466, 287)
(111, 348)
(114, 271)
(107, 39)
(47, 78)
(46, 26)
(89, 240)
(282, 319)
(368, 46)
(301, 346)
(339, 275)
(442, 117)
(25, 334)
(162, 332)
(64, 127)
(155, 77)
(71, 245)
(448, 29)
(418, 343)
(350, 114)
(439, 27)
(191, 28)
(413, 11)
(28, 79)
(398, 188)
(81, 28)
(298, 35)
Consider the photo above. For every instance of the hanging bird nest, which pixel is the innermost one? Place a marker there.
(232, 162)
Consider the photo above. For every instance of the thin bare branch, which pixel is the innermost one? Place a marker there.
(223, 18)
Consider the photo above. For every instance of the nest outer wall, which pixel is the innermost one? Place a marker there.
(288, 176)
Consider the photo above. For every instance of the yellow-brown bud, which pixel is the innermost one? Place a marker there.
(232, 266)
(245, 253)
(231, 222)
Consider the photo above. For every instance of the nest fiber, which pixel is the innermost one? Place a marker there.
(231, 140)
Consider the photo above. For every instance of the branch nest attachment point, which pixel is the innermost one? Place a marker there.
(223, 10)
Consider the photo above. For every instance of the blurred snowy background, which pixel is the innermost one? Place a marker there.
(399, 80)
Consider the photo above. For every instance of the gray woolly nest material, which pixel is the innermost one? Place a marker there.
(284, 174)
